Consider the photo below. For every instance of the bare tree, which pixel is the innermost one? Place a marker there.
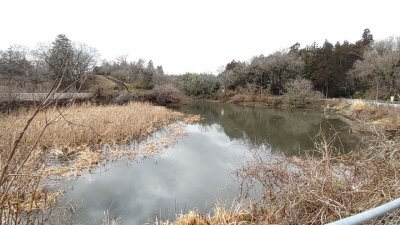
(299, 90)
(14, 61)
(387, 45)
(84, 60)
(380, 68)
(122, 61)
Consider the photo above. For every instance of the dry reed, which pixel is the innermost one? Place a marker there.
(380, 116)
(61, 141)
(107, 220)
(220, 215)
(89, 124)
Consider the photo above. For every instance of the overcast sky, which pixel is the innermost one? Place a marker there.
(196, 36)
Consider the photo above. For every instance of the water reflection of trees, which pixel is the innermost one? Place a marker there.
(285, 130)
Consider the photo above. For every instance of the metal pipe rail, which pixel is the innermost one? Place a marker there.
(369, 214)
(32, 97)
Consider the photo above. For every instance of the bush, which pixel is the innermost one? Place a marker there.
(224, 96)
(147, 81)
(239, 98)
(166, 94)
(199, 84)
(298, 91)
(125, 97)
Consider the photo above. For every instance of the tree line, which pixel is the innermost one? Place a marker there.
(60, 60)
(365, 68)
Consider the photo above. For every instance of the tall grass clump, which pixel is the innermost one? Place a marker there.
(220, 215)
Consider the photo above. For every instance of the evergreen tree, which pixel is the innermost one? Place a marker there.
(60, 57)
(160, 71)
(147, 77)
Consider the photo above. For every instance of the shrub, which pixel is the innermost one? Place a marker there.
(358, 106)
(298, 91)
(239, 98)
(224, 96)
(147, 81)
(199, 84)
(166, 94)
(125, 97)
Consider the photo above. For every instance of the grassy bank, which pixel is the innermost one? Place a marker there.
(317, 190)
(385, 118)
(62, 142)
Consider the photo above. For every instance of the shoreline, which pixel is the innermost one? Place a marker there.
(83, 139)
(380, 154)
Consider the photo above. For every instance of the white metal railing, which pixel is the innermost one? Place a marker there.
(42, 96)
(370, 214)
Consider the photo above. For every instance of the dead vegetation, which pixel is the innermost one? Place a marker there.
(314, 190)
(220, 216)
(62, 142)
(310, 190)
(89, 125)
(109, 221)
(382, 117)
(323, 186)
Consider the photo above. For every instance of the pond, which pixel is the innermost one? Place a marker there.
(197, 171)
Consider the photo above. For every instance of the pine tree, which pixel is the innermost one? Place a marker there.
(60, 57)
(147, 77)
(160, 71)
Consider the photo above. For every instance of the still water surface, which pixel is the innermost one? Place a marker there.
(198, 170)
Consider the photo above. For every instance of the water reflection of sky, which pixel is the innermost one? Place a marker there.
(197, 170)
(192, 174)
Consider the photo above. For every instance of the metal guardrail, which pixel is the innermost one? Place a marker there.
(370, 214)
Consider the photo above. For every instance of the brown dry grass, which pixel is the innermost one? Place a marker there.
(220, 215)
(383, 117)
(100, 84)
(68, 141)
(88, 125)
(79, 131)
(109, 221)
